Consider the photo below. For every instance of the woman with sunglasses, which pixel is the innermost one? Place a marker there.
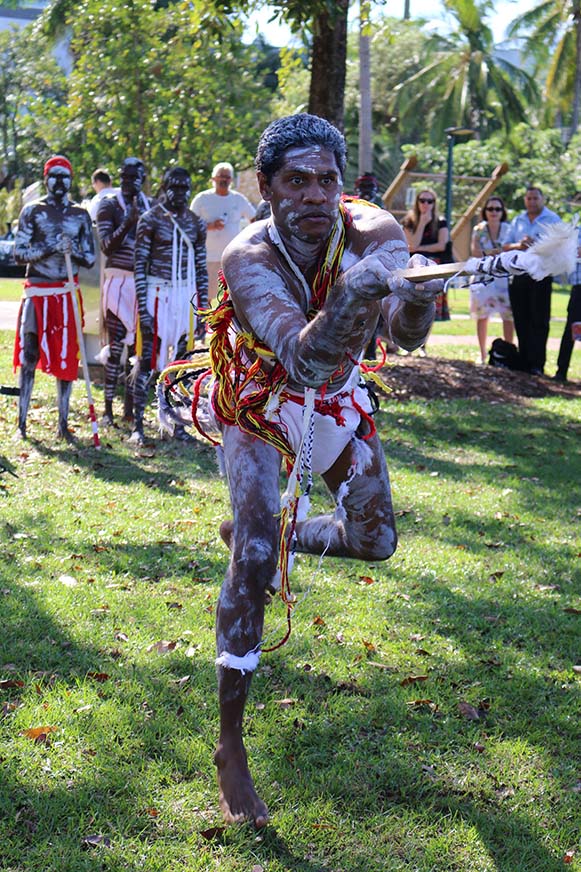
(488, 237)
(427, 233)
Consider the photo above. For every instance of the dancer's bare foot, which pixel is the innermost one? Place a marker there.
(226, 531)
(66, 435)
(238, 798)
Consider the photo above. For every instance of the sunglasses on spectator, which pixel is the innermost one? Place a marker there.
(425, 200)
(494, 208)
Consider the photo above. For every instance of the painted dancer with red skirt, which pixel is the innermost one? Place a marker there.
(46, 336)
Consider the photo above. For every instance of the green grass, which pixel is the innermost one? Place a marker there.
(10, 289)
(459, 302)
(104, 555)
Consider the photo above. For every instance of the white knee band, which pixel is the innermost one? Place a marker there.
(245, 664)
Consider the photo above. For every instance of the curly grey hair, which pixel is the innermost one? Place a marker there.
(293, 131)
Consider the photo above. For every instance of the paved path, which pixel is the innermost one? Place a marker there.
(8, 315)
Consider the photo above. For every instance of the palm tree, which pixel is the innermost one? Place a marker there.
(467, 83)
(552, 32)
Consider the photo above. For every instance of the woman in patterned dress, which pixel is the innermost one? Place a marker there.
(485, 299)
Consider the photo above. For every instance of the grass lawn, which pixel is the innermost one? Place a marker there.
(423, 717)
(10, 289)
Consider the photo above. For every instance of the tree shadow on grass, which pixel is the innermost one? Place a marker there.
(538, 446)
(351, 754)
(121, 464)
(364, 760)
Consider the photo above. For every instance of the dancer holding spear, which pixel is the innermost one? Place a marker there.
(46, 336)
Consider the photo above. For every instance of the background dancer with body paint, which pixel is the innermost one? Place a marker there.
(171, 282)
(46, 335)
(306, 289)
(117, 219)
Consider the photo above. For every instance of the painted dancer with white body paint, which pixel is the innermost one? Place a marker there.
(46, 336)
(275, 271)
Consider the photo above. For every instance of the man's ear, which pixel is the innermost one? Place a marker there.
(263, 186)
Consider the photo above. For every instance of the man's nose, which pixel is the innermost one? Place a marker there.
(315, 192)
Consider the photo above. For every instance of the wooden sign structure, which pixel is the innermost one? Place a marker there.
(462, 229)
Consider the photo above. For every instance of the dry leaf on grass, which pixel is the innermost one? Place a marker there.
(96, 841)
(8, 683)
(423, 703)
(162, 647)
(212, 833)
(468, 711)
(39, 734)
(411, 679)
(99, 676)
(285, 703)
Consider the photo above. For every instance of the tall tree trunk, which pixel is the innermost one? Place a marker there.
(577, 89)
(406, 10)
(328, 60)
(365, 129)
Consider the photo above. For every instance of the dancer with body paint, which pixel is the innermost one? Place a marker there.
(117, 219)
(305, 291)
(46, 335)
(171, 282)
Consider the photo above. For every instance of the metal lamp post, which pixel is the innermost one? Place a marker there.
(451, 134)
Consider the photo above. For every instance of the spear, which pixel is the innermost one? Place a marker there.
(554, 253)
(79, 326)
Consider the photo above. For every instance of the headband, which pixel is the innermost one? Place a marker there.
(57, 161)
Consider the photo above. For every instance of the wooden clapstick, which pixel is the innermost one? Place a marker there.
(434, 271)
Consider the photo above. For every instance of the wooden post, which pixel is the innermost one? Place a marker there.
(462, 230)
(407, 166)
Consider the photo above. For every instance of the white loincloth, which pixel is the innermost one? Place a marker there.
(330, 437)
(170, 307)
(118, 296)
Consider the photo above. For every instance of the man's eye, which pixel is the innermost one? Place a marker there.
(296, 180)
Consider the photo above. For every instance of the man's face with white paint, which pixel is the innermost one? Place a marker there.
(304, 193)
(132, 178)
(58, 182)
(178, 190)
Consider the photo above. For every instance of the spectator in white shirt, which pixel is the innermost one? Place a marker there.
(101, 182)
(222, 210)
